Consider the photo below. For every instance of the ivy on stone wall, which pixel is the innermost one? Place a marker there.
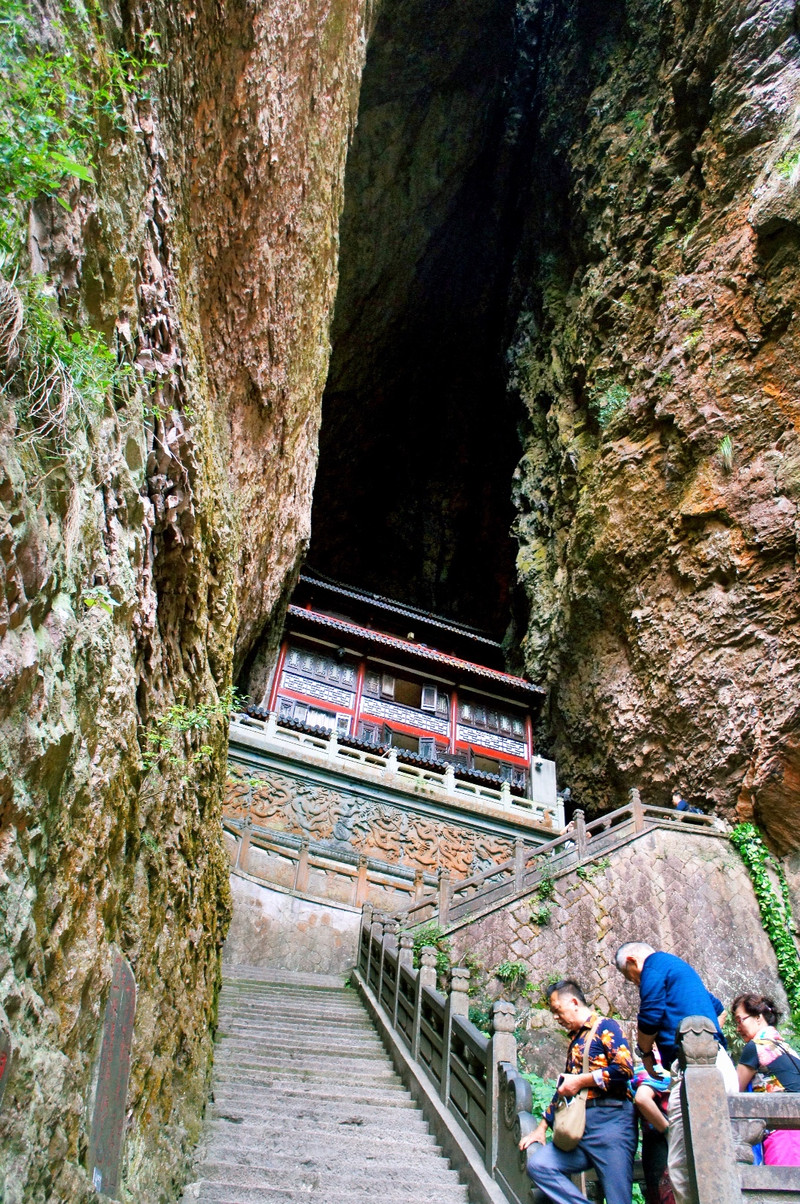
(776, 909)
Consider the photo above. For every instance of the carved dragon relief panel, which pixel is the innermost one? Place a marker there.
(378, 830)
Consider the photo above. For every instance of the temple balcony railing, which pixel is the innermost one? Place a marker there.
(387, 768)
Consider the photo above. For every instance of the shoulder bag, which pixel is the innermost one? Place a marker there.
(569, 1121)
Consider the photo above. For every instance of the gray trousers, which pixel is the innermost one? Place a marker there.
(608, 1144)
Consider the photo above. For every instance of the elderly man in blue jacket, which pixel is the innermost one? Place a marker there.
(669, 991)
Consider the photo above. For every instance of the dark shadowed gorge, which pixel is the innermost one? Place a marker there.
(561, 404)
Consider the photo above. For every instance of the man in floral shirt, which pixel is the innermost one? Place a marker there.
(609, 1140)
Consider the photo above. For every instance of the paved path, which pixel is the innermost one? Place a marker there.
(306, 1104)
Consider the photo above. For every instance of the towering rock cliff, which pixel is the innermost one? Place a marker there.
(582, 218)
(607, 189)
(155, 500)
(657, 354)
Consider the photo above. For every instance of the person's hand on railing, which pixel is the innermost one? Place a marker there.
(539, 1135)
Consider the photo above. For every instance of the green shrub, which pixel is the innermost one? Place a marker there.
(607, 400)
(52, 101)
(542, 1091)
(512, 974)
(725, 453)
(787, 163)
(775, 908)
(480, 1014)
(432, 934)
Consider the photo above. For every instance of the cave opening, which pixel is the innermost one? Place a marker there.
(419, 437)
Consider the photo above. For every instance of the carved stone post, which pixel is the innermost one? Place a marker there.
(419, 883)
(502, 1049)
(391, 763)
(301, 873)
(449, 782)
(363, 936)
(710, 1153)
(389, 943)
(580, 834)
(361, 880)
(375, 935)
(332, 749)
(444, 895)
(244, 845)
(457, 1005)
(405, 957)
(505, 794)
(637, 809)
(272, 725)
(519, 864)
(425, 978)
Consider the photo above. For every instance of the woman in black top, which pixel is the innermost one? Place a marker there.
(769, 1064)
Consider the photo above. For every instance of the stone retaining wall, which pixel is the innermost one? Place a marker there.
(689, 895)
(280, 930)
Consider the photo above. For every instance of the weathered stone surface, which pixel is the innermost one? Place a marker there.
(279, 931)
(689, 895)
(206, 257)
(658, 278)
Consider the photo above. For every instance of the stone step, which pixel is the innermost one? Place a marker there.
(291, 979)
(288, 1036)
(299, 1021)
(228, 1094)
(269, 1075)
(316, 1141)
(271, 1056)
(222, 1193)
(317, 1112)
(300, 1171)
(306, 1106)
(294, 1022)
(334, 1001)
(320, 1084)
(297, 1048)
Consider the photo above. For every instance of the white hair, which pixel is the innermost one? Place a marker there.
(637, 949)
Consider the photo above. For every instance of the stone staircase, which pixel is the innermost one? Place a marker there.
(306, 1104)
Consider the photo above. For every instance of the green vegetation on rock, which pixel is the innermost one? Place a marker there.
(607, 400)
(432, 934)
(54, 99)
(775, 908)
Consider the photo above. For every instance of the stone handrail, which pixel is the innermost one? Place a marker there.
(477, 1080)
(307, 855)
(461, 1062)
(387, 767)
(452, 901)
(722, 1130)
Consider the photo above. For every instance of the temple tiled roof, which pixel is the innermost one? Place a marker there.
(400, 608)
(419, 651)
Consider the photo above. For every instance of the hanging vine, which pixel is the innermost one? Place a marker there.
(776, 910)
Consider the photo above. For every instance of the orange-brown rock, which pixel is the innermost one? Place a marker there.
(658, 358)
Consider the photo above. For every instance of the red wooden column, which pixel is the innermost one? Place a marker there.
(276, 681)
(453, 719)
(360, 675)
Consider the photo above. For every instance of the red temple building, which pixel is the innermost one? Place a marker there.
(385, 676)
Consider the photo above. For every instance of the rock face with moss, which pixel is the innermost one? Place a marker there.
(657, 353)
(161, 388)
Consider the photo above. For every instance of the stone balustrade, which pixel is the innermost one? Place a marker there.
(387, 767)
(582, 842)
(476, 1079)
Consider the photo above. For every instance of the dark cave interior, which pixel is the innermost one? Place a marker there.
(419, 438)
